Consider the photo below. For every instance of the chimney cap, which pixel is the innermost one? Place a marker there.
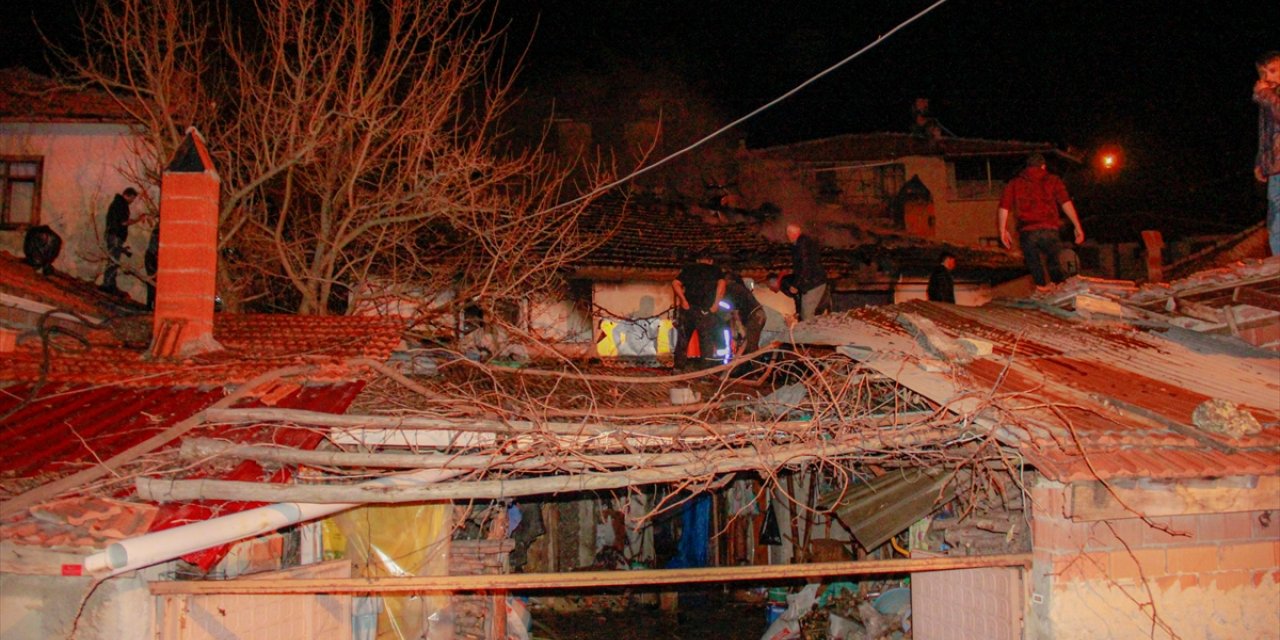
(192, 155)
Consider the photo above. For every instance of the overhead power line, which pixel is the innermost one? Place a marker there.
(757, 111)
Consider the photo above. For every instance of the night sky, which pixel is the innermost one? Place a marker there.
(1167, 81)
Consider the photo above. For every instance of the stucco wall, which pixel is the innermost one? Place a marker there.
(632, 299)
(1211, 575)
(967, 221)
(792, 188)
(559, 321)
(46, 606)
(959, 221)
(83, 165)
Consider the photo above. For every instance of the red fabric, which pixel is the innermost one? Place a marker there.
(1034, 197)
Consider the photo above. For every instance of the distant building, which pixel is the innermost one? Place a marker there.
(63, 155)
(946, 189)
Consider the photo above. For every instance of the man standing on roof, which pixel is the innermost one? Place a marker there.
(749, 311)
(1034, 197)
(116, 234)
(698, 289)
(1266, 92)
(806, 267)
(942, 287)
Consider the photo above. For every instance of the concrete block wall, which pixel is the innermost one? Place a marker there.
(1210, 575)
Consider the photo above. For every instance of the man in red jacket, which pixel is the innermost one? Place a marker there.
(1034, 197)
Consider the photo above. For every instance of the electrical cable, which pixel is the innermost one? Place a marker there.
(758, 110)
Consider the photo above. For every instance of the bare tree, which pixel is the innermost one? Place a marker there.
(355, 140)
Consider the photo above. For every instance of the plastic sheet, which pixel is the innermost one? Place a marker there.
(787, 625)
(695, 534)
(403, 540)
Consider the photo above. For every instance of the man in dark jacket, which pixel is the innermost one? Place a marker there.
(698, 289)
(806, 267)
(942, 287)
(116, 236)
(749, 311)
(1034, 197)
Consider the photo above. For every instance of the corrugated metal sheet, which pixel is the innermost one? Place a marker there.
(77, 401)
(1091, 400)
(70, 427)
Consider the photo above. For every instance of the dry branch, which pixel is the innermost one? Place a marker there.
(513, 427)
(202, 448)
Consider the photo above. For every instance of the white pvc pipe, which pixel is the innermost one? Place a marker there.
(162, 546)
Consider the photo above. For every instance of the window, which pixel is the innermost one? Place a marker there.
(873, 185)
(981, 178)
(20, 191)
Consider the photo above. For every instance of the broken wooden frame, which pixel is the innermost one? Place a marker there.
(588, 579)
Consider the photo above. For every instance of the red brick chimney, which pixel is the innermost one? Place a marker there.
(188, 261)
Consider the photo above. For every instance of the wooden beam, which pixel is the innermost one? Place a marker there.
(1092, 500)
(481, 425)
(1253, 297)
(752, 457)
(588, 579)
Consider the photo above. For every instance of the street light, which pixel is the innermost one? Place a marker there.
(1108, 159)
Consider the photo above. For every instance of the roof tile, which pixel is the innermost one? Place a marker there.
(1126, 395)
(30, 97)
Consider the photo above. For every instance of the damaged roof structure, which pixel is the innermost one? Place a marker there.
(1134, 425)
(1110, 442)
(646, 240)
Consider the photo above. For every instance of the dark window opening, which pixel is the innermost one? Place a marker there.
(20, 178)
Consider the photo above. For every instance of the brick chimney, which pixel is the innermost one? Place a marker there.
(188, 261)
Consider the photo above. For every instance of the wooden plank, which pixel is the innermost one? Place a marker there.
(1092, 500)
(589, 579)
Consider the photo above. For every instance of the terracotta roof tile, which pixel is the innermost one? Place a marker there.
(641, 238)
(1125, 395)
(69, 427)
(30, 97)
(253, 345)
(58, 290)
(98, 395)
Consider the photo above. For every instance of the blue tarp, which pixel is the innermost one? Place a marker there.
(695, 534)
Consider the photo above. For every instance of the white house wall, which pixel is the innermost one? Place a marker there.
(84, 165)
(632, 300)
(959, 220)
(559, 321)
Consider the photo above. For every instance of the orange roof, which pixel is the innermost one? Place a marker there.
(254, 343)
(58, 290)
(30, 97)
(1091, 400)
(91, 392)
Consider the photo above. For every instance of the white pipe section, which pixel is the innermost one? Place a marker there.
(162, 546)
